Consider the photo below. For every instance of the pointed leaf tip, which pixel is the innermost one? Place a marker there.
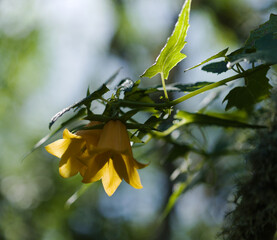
(218, 55)
(171, 54)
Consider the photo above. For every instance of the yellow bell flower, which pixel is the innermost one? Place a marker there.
(72, 147)
(112, 159)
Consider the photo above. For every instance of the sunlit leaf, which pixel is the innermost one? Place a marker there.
(170, 55)
(256, 89)
(218, 55)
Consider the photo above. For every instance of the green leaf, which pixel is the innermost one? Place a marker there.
(177, 87)
(150, 124)
(256, 89)
(261, 46)
(217, 84)
(170, 55)
(218, 55)
(202, 119)
(216, 67)
(138, 94)
(78, 115)
(127, 115)
(85, 101)
(268, 27)
(134, 138)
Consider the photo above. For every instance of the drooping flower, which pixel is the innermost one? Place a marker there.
(72, 147)
(112, 160)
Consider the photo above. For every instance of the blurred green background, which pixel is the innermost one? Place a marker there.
(50, 52)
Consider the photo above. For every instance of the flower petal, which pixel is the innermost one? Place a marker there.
(91, 136)
(114, 137)
(133, 176)
(120, 167)
(69, 164)
(69, 167)
(68, 135)
(139, 165)
(95, 169)
(83, 170)
(58, 147)
(110, 179)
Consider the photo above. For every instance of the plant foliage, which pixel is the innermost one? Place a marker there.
(161, 120)
(170, 55)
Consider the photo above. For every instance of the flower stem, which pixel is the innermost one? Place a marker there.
(206, 88)
(133, 104)
(164, 87)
